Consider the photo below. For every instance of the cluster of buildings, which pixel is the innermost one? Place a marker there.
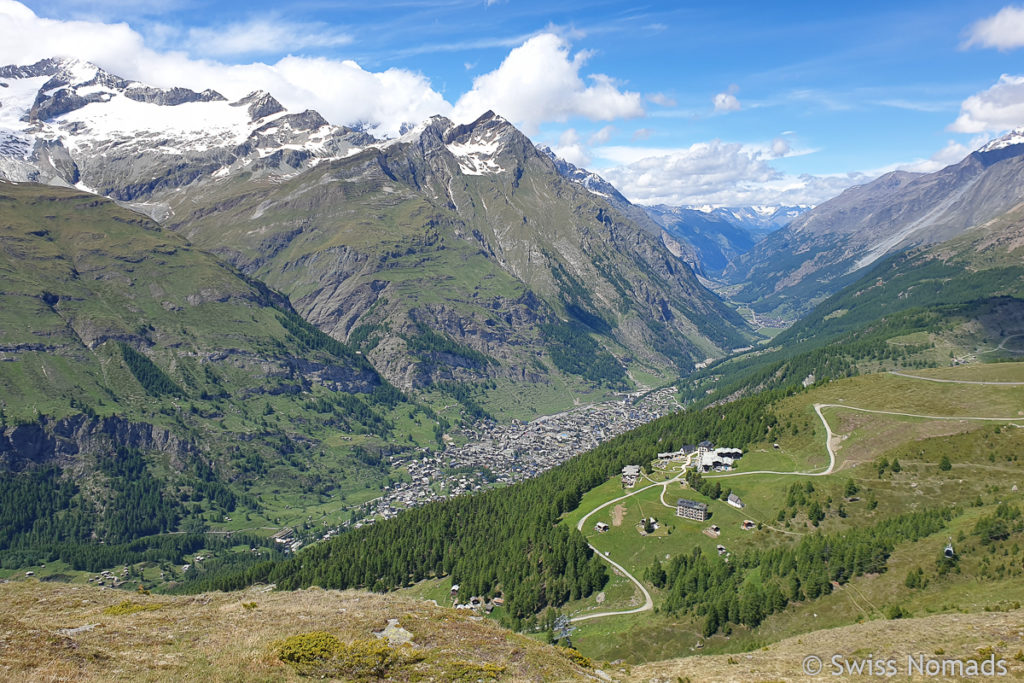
(500, 454)
(705, 457)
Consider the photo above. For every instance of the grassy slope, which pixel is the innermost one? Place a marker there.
(215, 637)
(78, 275)
(939, 637)
(984, 465)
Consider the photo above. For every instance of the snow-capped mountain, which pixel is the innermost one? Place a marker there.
(717, 235)
(757, 220)
(68, 121)
(1014, 137)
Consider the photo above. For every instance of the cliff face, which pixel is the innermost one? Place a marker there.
(65, 441)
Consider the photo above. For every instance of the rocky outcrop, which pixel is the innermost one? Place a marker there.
(62, 441)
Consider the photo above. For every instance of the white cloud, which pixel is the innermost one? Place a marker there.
(780, 147)
(954, 152)
(341, 90)
(718, 173)
(571, 148)
(539, 81)
(1004, 30)
(998, 108)
(661, 99)
(602, 136)
(642, 134)
(263, 36)
(726, 102)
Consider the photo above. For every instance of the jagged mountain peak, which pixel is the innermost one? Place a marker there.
(588, 179)
(67, 121)
(261, 104)
(1014, 137)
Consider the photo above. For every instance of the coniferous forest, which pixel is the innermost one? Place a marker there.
(481, 541)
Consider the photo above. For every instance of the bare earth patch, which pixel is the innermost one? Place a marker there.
(617, 514)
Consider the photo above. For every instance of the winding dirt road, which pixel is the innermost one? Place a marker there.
(831, 441)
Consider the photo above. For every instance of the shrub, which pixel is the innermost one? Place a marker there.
(896, 612)
(319, 653)
(574, 656)
(308, 648)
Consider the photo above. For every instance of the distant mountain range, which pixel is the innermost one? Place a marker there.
(719, 235)
(830, 246)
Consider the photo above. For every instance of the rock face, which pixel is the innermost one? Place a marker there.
(828, 247)
(473, 232)
(66, 439)
(468, 231)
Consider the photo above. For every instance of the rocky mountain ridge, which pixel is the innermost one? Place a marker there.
(252, 182)
(69, 122)
(829, 246)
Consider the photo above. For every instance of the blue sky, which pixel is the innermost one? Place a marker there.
(689, 103)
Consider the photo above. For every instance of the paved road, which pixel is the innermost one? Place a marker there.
(829, 439)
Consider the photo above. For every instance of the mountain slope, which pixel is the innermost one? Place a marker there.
(453, 254)
(715, 240)
(147, 388)
(471, 231)
(828, 247)
(962, 293)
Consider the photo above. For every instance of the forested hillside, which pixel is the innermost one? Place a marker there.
(506, 540)
(146, 389)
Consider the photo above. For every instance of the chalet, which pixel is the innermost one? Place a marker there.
(735, 501)
(601, 526)
(691, 509)
(630, 473)
(717, 459)
(686, 450)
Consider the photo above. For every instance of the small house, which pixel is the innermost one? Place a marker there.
(601, 526)
(735, 501)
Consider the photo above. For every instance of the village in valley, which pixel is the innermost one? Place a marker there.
(492, 454)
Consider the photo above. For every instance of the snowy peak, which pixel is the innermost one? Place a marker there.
(71, 122)
(73, 84)
(1014, 137)
(592, 182)
(477, 145)
(260, 104)
(758, 220)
